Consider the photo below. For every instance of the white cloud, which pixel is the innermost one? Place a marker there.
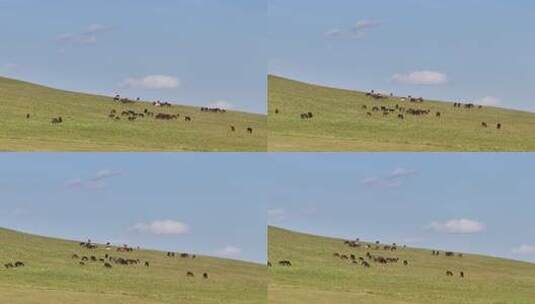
(86, 36)
(95, 182)
(489, 101)
(222, 104)
(106, 173)
(525, 250)
(277, 215)
(421, 78)
(153, 82)
(402, 172)
(391, 180)
(355, 32)
(162, 227)
(458, 226)
(229, 251)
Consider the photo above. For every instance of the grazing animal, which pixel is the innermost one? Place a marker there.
(82, 263)
(285, 263)
(107, 265)
(57, 120)
(461, 274)
(438, 114)
(269, 264)
(28, 116)
(369, 114)
(187, 118)
(449, 273)
(484, 124)
(405, 262)
(190, 274)
(250, 130)
(19, 264)
(400, 116)
(147, 264)
(205, 275)
(499, 126)
(75, 256)
(232, 128)
(276, 111)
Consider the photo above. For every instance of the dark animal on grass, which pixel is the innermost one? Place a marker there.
(449, 273)
(190, 274)
(499, 126)
(364, 107)
(438, 114)
(205, 275)
(93, 258)
(107, 265)
(184, 255)
(405, 262)
(57, 120)
(400, 116)
(75, 256)
(269, 264)
(147, 264)
(9, 265)
(232, 129)
(187, 118)
(369, 114)
(365, 264)
(461, 274)
(484, 124)
(82, 263)
(85, 259)
(250, 130)
(285, 263)
(276, 111)
(19, 264)
(28, 116)
(449, 253)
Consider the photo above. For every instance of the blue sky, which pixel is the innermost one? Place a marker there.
(212, 204)
(462, 50)
(477, 203)
(199, 52)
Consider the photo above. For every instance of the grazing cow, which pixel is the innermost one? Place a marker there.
(8, 265)
(250, 130)
(57, 120)
(484, 124)
(400, 116)
(405, 262)
(19, 264)
(449, 273)
(85, 259)
(364, 107)
(232, 128)
(107, 265)
(147, 264)
(499, 126)
(28, 116)
(269, 264)
(205, 275)
(365, 264)
(187, 118)
(438, 114)
(276, 111)
(369, 114)
(461, 274)
(190, 274)
(75, 256)
(81, 263)
(449, 253)
(285, 263)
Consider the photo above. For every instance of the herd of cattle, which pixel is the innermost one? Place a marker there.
(132, 115)
(107, 260)
(401, 111)
(368, 259)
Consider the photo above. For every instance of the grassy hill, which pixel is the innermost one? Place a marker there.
(51, 275)
(316, 276)
(87, 127)
(341, 124)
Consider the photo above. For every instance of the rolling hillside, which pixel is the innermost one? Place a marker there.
(317, 276)
(52, 275)
(87, 127)
(340, 123)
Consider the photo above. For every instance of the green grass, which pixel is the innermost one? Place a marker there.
(52, 276)
(318, 277)
(340, 123)
(87, 127)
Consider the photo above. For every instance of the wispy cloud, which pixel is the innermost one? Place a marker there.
(524, 249)
(277, 215)
(86, 36)
(458, 226)
(229, 252)
(95, 182)
(391, 180)
(421, 78)
(161, 227)
(152, 82)
(355, 32)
